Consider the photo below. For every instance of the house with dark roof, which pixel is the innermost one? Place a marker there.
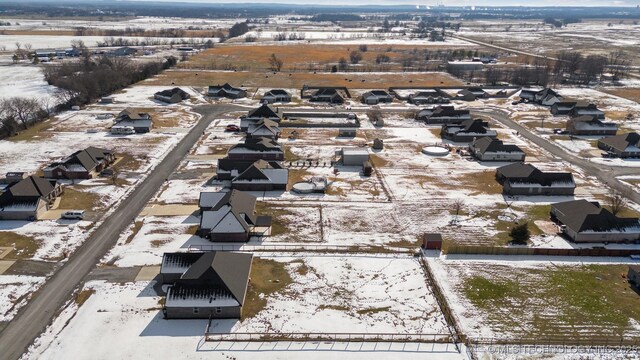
(467, 131)
(261, 176)
(585, 108)
(28, 199)
(585, 221)
(443, 115)
(622, 146)
(231, 217)
(590, 125)
(546, 96)
(256, 148)
(141, 122)
(264, 111)
(276, 96)
(525, 179)
(263, 128)
(430, 96)
(205, 285)
(124, 51)
(171, 96)
(563, 107)
(226, 91)
(471, 94)
(328, 95)
(491, 149)
(375, 97)
(228, 169)
(82, 164)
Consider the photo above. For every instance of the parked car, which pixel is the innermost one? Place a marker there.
(232, 127)
(73, 215)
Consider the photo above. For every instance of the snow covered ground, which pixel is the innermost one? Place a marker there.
(24, 81)
(15, 290)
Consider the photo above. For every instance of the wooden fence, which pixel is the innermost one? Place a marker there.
(499, 250)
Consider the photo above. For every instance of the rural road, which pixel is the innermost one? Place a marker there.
(502, 48)
(606, 174)
(33, 318)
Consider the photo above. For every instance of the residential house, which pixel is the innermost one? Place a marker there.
(431, 96)
(490, 149)
(582, 108)
(526, 179)
(171, 96)
(261, 176)
(231, 217)
(376, 97)
(328, 95)
(139, 121)
(124, 51)
(226, 91)
(590, 125)
(546, 96)
(262, 112)
(471, 94)
(256, 148)
(263, 128)
(28, 199)
(585, 221)
(443, 115)
(276, 96)
(623, 145)
(563, 107)
(228, 169)
(467, 131)
(205, 285)
(82, 164)
(633, 275)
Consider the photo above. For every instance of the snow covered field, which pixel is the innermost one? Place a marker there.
(24, 81)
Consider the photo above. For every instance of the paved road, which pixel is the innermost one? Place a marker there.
(604, 173)
(39, 312)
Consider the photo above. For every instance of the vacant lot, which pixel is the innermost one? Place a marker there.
(297, 80)
(545, 301)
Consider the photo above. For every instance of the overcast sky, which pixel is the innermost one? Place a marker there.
(431, 2)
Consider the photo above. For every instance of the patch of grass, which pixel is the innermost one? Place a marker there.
(297, 175)
(279, 224)
(137, 225)
(627, 93)
(569, 302)
(333, 307)
(290, 156)
(267, 277)
(373, 310)
(191, 230)
(127, 163)
(158, 243)
(81, 297)
(378, 161)
(36, 132)
(24, 246)
(73, 198)
(480, 182)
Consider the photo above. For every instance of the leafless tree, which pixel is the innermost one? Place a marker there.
(374, 115)
(27, 46)
(618, 200)
(23, 109)
(18, 45)
(275, 63)
(457, 206)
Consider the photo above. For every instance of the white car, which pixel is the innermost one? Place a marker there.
(73, 215)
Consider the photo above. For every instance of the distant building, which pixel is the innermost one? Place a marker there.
(467, 131)
(258, 148)
(328, 95)
(171, 96)
(276, 96)
(582, 108)
(124, 51)
(263, 128)
(526, 179)
(261, 176)
(490, 149)
(471, 94)
(622, 146)
(258, 114)
(563, 107)
(226, 91)
(584, 221)
(430, 96)
(376, 97)
(141, 122)
(464, 65)
(82, 164)
(443, 115)
(590, 125)
(230, 217)
(546, 96)
(211, 285)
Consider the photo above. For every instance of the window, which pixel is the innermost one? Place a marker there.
(196, 310)
(218, 310)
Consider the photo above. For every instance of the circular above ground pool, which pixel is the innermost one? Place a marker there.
(435, 151)
(303, 187)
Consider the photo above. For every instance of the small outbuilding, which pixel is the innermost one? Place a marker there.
(352, 156)
(378, 144)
